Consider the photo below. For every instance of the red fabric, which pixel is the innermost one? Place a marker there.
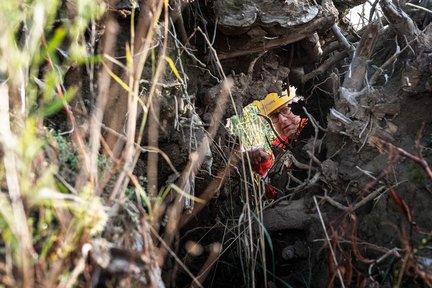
(263, 167)
(277, 143)
(271, 192)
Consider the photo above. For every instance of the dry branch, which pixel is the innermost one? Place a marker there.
(291, 36)
(352, 208)
(102, 98)
(336, 30)
(325, 66)
(399, 20)
(355, 80)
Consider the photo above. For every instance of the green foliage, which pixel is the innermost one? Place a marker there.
(252, 129)
(39, 224)
(137, 194)
(68, 156)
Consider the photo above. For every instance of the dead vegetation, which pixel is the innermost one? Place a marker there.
(153, 190)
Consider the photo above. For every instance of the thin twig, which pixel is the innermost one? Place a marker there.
(372, 10)
(388, 62)
(194, 58)
(329, 243)
(316, 129)
(174, 255)
(367, 173)
(215, 251)
(419, 7)
(286, 144)
(306, 183)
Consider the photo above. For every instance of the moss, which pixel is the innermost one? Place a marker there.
(416, 174)
(235, 5)
(67, 154)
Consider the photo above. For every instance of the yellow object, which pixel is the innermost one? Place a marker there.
(273, 101)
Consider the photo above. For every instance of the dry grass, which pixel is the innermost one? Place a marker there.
(50, 223)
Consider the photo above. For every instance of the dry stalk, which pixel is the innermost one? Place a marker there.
(209, 192)
(104, 81)
(153, 106)
(173, 254)
(215, 251)
(153, 141)
(175, 221)
(144, 149)
(329, 243)
(79, 268)
(19, 227)
(71, 118)
(141, 39)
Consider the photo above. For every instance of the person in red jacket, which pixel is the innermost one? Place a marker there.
(277, 107)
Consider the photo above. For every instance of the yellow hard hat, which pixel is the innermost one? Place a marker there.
(273, 101)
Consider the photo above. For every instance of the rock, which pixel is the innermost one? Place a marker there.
(298, 250)
(238, 16)
(330, 170)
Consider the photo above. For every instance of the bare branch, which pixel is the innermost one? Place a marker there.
(336, 30)
(399, 20)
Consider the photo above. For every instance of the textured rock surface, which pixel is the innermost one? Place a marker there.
(244, 14)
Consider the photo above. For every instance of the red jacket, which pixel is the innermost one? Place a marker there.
(263, 167)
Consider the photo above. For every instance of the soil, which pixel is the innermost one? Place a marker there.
(365, 134)
(368, 242)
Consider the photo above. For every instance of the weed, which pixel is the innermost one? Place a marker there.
(252, 129)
